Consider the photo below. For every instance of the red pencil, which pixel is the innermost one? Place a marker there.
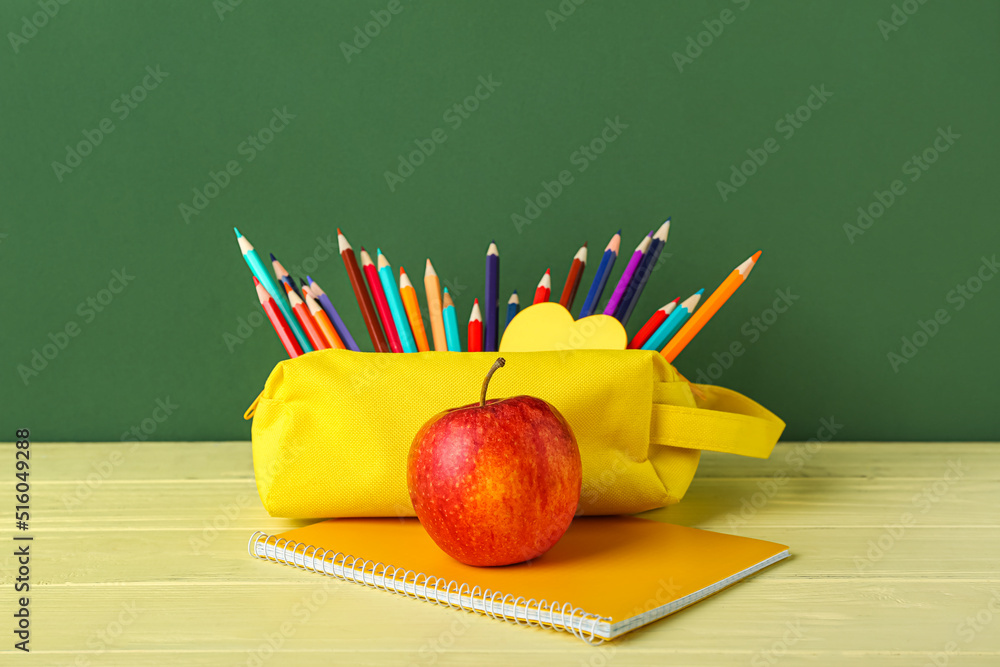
(313, 332)
(285, 333)
(544, 289)
(384, 313)
(651, 325)
(573, 279)
(476, 328)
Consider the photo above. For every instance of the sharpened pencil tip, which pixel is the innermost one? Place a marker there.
(237, 232)
(756, 256)
(446, 290)
(273, 258)
(701, 291)
(255, 281)
(339, 233)
(309, 278)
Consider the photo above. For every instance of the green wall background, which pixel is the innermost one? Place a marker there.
(167, 336)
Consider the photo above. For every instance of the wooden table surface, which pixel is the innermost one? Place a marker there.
(139, 558)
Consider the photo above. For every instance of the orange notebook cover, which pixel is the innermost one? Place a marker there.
(605, 577)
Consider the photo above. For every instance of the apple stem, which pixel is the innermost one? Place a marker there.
(486, 383)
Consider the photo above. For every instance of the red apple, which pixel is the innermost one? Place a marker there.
(497, 482)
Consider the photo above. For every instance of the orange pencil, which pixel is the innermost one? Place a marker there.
(285, 333)
(375, 285)
(573, 279)
(312, 329)
(322, 319)
(544, 289)
(709, 308)
(432, 288)
(412, 306)
(475, 328)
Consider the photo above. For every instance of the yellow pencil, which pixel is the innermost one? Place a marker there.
(432, 287)
(412, 307)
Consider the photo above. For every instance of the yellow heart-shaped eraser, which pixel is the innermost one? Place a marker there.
(549, 326)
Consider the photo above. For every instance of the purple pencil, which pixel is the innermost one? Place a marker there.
(626, 278)
(331, 312)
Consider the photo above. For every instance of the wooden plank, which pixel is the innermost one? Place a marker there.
(232, 460)
(711, 502)
(804, 617)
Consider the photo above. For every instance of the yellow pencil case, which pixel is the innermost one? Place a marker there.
(332, 428)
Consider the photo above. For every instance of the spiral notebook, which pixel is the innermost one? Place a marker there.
(605, 577)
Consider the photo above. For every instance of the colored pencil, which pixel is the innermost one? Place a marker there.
(381, 304)
(712, 305)
(652, 324)
(316, 337)
(642, 275)
(432, 289)
(544, 289)
(491, 301)
(331, 312)
(361, 294)
(674, 322)
(396, 308)
(450, 318)
(602, 275)
(412, 305)
(513, 305)
(283, 276)
(257, 267)
(322, 320)
(628, 274)
(285, 334)
(475, 329)
(573, 278)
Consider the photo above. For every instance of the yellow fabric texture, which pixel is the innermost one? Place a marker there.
(332, 428)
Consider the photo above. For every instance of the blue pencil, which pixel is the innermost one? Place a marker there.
(602, 275)
(646, 269)
(450, 318)
(513, 306)
(277, 293)
(673, 322)
(334, 316)
(491, 313)
(391, 290)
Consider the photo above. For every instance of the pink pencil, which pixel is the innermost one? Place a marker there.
(633, 264)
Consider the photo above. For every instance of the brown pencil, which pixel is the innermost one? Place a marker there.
(573, 279)
(361, 294)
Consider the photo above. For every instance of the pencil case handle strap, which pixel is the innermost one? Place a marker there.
(723, 421)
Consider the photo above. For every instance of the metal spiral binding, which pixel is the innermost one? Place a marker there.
(435, 590)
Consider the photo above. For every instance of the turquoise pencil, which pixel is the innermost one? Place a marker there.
(395, 304)
(673, 323)
(277, 293)
(450, 318)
